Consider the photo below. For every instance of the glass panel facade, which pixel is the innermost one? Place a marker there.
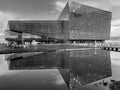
(87, 22)
(76, 22)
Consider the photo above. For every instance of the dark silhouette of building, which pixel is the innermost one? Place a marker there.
(77, 22)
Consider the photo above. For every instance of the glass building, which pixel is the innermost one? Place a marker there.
(76, 23)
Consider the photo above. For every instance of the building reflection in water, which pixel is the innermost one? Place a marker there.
(76, 67)
(51, 60)
(88, 66)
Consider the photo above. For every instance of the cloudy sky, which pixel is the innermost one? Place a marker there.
(50, 9)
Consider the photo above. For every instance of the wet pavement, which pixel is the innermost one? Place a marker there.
(59, 70)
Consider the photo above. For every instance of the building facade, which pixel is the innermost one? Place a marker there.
(77, 22)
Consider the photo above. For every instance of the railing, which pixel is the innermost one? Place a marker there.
(112, 48)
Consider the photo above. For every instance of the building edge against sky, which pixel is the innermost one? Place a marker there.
(77, 22)
(86, 22)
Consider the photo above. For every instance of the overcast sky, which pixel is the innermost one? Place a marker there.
(50, 9)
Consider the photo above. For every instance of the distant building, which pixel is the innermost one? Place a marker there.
(77, 22)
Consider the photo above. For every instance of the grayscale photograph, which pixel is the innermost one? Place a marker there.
(59, 44)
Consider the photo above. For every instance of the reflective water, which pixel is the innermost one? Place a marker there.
(60, 70)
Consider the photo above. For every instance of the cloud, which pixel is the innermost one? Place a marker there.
(101, 4)
(59, 4)
(115, 23)
(115, 2)
(115, 28)
(4, 17)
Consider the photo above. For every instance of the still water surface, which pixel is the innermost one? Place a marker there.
(60, 70)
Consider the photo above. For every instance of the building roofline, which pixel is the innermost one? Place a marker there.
(69, 2)
(35, 20)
